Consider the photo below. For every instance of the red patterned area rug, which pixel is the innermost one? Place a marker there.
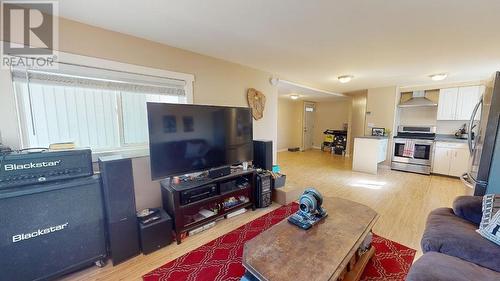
(220, 259)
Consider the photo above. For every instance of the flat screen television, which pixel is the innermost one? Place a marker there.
(187, 138)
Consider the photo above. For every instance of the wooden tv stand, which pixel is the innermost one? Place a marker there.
(186, 214)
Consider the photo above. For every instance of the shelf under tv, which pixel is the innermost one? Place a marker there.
(184, 214)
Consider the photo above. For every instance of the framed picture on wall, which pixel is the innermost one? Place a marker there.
(379, 132)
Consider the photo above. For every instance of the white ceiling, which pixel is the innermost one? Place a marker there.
(287, 89)
(380, 42)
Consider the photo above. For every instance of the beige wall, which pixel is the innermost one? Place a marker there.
(381, 104)
(289, 123)
(216, 82)
(330, 115)
(356, 117)
(380, 108)
(418, 116)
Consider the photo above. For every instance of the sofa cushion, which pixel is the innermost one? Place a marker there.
(452, 235)
(469, 208)
(440, 267)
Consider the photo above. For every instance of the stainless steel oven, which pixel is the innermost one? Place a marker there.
(423, 140)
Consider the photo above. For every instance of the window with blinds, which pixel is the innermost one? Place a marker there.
(97, 108)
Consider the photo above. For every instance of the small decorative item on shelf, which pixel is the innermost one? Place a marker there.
(379, 132)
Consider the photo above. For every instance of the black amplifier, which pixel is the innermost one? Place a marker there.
(198, 193)
(24, 168)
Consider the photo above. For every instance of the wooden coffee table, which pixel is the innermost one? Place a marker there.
(328, 251)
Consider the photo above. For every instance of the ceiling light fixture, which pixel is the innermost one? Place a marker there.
(345, 78)
(438, 77)
(294, 96)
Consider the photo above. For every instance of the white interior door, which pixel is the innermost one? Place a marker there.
(309, 112)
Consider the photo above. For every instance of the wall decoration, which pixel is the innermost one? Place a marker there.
(379, 132)
(257, 102)
(188, 123)
(169, 124)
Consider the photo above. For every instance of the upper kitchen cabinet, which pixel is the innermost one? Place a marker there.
(447, 105)
(468, 97)
(458, 103)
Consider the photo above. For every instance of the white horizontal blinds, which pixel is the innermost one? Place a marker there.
(92, 107)
(134, 114)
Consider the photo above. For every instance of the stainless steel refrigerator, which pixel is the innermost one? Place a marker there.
(484, 169)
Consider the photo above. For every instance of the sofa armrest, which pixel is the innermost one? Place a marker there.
(469, 208)
(451, 235)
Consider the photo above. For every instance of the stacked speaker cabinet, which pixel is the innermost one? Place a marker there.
(50, 229)
(119, 202)
(263, 154)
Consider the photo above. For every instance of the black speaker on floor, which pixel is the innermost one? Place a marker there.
(156, 234)
(119, 203)
(263, 154)
(50, 229)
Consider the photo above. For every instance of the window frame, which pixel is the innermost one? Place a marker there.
(131, 150)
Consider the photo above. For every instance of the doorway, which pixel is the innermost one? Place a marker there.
(308, 132)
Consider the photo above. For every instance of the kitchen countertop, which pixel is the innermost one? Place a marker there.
(449, 138)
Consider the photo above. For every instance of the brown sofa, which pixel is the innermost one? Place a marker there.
(453, 250)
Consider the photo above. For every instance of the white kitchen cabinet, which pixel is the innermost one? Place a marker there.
(458, 103)
(368, 152)
(460, 161)
(442, 159)
(467, 99)
(447, 105)
(450, 158)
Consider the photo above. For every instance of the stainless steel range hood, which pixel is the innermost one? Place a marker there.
(418, 99)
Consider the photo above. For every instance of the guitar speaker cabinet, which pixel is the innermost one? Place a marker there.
(119, 202)
(51, 229)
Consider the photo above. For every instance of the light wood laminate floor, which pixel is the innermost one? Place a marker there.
(403, 201)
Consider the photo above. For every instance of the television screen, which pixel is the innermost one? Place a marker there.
(186, 138)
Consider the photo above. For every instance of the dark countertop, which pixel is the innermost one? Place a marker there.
(449, 138)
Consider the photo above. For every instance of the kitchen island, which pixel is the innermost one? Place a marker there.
(368, 152)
